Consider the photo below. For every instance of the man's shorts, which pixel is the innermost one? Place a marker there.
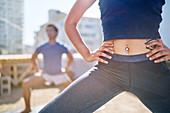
(56, 79)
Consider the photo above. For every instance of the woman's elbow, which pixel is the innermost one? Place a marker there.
(68, 25)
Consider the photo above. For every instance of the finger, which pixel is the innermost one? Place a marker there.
(162, 59)
(160, 40)
(159, 54)
(106, 49)
(107, 45)
(101, 60)
(103, 54)
(157, 43)
(154, 51)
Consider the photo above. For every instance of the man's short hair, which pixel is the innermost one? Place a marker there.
(54, 26)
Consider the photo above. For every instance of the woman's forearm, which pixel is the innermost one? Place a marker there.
(73, 18)
(75, 38)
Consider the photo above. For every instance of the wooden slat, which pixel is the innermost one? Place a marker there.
(12, 65)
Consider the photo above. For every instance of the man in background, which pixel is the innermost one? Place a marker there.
(52, 52)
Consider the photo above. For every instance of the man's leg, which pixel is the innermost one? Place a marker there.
(61, 79)
(28, 83)
(67, 83)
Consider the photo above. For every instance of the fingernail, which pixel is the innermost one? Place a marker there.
(110, 57)
(147, 46)
(112, 52)
(150, 58)
(106, 62)
(147, 55)
(155, 61)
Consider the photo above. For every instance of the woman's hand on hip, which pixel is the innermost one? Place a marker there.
(160, 51)
(97, 54)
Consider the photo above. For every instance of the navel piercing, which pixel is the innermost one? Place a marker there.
(127, 50)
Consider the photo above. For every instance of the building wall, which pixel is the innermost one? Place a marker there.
(11, 24)
(89, 29)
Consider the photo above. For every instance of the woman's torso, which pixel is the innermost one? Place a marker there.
(130, 23)
(135, 46)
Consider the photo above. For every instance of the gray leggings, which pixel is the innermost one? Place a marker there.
(133, 73)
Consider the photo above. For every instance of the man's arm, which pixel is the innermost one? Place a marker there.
(33, 59)
(70, 60)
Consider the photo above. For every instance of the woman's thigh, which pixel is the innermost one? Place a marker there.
(151, 83)
(84, 95)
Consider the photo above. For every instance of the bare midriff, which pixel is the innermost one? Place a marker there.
(128, 46)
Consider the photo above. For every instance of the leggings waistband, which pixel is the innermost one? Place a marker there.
(129, 58)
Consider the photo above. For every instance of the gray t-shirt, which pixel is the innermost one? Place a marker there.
(52, 54)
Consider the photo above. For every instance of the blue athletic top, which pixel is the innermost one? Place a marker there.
(131, 19)
(52, 54)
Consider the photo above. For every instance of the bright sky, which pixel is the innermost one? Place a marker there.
(36, 14)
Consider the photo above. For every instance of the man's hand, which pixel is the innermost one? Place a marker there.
(160, 51)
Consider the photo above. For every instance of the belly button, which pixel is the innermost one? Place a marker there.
(127, 50)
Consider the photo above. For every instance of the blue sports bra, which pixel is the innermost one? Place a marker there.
(131, 19)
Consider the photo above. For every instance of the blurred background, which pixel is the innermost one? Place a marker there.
(22, 24)
(22, 30)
